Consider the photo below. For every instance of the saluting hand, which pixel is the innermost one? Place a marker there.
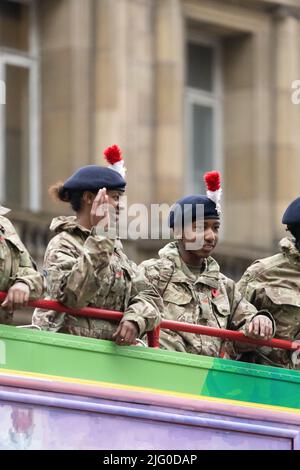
(260, 327)
(99, 213)
(126, 333)
(17, 297)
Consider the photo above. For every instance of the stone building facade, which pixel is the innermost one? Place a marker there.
(183, 86)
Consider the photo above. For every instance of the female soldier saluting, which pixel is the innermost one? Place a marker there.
(85, 268)
(18, 274)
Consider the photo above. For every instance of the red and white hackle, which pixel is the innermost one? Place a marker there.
(115, 160)
(213, 188)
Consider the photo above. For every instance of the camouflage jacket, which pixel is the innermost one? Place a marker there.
(274, 283)
(84, 269)
(16, 265)
(209, 299)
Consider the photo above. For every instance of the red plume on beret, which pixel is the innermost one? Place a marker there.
(212, 180)
(214, 191)
(115, 160)
(113, 154)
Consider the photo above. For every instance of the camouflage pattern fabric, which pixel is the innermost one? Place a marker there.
(85, 269)
(16, 265)
(209, 299)
(274, 283)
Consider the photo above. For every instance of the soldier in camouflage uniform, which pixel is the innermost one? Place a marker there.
(86, 268)
(274, 283)
(195, 291)
(19, 276)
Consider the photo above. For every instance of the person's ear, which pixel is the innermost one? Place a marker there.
(88, 197)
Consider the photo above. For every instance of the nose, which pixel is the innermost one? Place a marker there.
(209, 236)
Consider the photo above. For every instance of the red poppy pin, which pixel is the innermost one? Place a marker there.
(215, 292)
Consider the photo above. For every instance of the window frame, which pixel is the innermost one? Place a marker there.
(30, 61)
(214, 100)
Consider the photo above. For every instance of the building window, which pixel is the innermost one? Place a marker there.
(14, 25)
(203, 111)
(19, 120)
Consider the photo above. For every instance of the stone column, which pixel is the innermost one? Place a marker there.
(287, 114)
(124, 88)
(82, 36)
(247, 140)
(65, 73)
(169, 150)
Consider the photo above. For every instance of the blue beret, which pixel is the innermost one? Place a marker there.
(93, 178)
(292, 213)
(186, 208)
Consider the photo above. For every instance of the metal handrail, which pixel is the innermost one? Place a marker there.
(153, 336)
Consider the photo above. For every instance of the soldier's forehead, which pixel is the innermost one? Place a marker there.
(115, 192)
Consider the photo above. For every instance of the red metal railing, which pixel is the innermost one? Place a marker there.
(153, 336)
